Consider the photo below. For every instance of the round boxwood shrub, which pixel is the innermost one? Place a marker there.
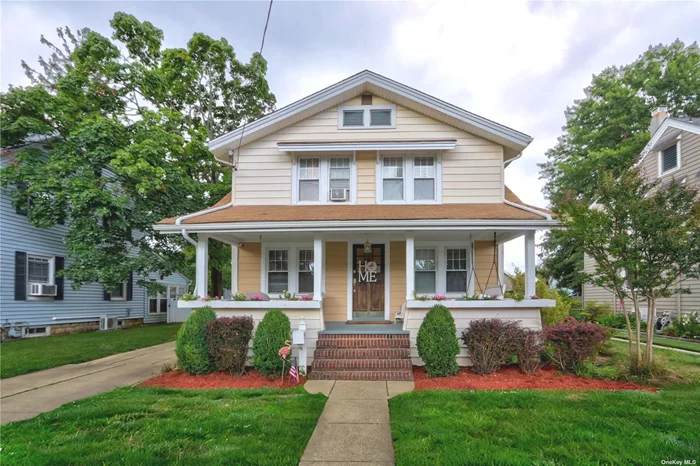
(272, 333)
(192, 347)
(437, 342)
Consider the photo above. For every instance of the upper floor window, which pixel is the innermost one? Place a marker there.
(410, 179)
(669, 159)
(367, 116)
(324, 179)
(309, 180)
(339, 179)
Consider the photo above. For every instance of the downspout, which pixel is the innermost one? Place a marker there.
(508, 162)
(527, 209)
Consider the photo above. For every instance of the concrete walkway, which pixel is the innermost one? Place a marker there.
(354, 426)
(25, 396)
(680, 350)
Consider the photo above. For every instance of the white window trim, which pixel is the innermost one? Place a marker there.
(124, 286)
(441, 248)
(408, 177)
(52, 267)
(678, 160)
(292, 265)
(436, 271)
(366, 116)
(324, 180)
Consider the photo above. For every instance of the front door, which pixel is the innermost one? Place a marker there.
(368, 281)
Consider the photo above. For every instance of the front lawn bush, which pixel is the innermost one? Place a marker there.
(228, 339)
(687, 326)
(529, 350)
(272, 334)
(437, 342)
(571, 343)
(618, 321)
(491, 343)
(192, 348)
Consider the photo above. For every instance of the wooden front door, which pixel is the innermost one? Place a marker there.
(368, 274)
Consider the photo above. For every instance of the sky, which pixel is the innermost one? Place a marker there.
(518, 63)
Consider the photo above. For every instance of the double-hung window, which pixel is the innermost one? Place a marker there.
(339, 175)
(424, 178)
(309, 179)
(38, 269)
(392, 179)
(306, 271)
(456, 270)
(425, 270)
(119, 293)
(277, 270)
(669, 159)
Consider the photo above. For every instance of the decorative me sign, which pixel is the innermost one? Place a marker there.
(367, 271)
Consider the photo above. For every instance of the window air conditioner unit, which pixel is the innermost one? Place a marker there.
(339, 194)
(42, 289)
(108, 323)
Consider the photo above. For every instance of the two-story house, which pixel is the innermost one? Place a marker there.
(373, 199)
(37, 300)
(673, 152)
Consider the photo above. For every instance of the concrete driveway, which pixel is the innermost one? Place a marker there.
(25, 396)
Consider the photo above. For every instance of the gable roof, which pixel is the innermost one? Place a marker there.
(367, 81)
(690, 124)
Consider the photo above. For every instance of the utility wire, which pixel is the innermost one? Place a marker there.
(234, 167)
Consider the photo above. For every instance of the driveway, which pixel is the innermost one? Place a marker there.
(25, 396)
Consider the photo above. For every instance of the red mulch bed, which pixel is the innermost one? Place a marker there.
(252, 379)
(511, 378)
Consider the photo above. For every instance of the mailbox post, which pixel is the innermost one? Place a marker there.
(299, 338)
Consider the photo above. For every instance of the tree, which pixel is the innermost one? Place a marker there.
(126, 124)
(606, 130)
(643, 239)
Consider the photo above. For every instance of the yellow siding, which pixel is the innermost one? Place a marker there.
(335, 303)
(366, 173)
(472, 172)
(483, 265)
(249, 268)
(397, 263)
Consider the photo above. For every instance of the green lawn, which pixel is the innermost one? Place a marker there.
(153, 426)
(539, 427)
(35, 354)
(669, 342)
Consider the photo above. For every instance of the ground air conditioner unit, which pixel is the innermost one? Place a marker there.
(339, 194)
(108, 323)
(42, 289)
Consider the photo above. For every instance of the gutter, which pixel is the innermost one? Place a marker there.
(508, 162)
(179, 220)
(528, 209)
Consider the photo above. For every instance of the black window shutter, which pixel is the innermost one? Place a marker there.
(130, 287)
(106, 295)
(20, 276)
(58, 267)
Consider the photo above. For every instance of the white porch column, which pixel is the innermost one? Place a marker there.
(318, 268)
(530, 277)
(202, 265)
(234, 268)
(410, 264)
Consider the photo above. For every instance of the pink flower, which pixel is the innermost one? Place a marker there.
(284, 352)
(256, 297)
(305, 297)
(439, 297)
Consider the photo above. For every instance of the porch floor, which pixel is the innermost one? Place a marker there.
(339, 328)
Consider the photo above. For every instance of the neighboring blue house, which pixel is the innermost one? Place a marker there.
(34, 301)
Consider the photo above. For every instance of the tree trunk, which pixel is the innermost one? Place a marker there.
(217, 288)
(638, 331)
(651, 320)
(630, 346)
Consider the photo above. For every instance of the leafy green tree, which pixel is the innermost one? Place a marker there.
(643, 239)
(606, 130)
(126, 124)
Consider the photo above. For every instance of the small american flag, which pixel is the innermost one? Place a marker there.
(293, 372)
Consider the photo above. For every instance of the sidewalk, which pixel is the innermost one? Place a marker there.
(25, 396)
(354, 426)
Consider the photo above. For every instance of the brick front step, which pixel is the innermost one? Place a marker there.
(362, 353)
(362, 365)
(406, 376)
(361, 341)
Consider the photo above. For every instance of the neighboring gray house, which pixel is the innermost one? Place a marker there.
(34, 301)
(673, 152)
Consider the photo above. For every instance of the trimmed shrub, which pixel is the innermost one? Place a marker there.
(550, 315)
(598, 311)
(529, 350)
(228, 339)
(618, 321)
(192, 347)
(272, 333)
(491, 343)
(437, 342)
(571, 343)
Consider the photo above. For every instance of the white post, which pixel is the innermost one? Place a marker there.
(318, 268)
(530, 278)
(234, 269)
(202, 265)
(472, 268)
(410, 264)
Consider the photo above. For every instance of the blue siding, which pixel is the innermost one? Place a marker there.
(83, 305)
